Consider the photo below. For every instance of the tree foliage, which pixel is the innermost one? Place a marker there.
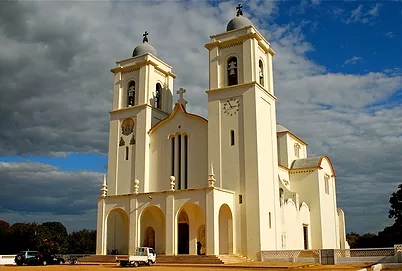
(396, 206)
(46, 237)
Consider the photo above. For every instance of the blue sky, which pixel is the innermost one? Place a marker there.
(337, 73)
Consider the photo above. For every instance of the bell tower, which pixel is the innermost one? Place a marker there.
(142, 96)
(242, 130)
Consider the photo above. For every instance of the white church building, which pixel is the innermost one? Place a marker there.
(237, 183)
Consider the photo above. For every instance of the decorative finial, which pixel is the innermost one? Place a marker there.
(172, 183)
(239, 10)
(145, 37)
(104, 186)
(181, 100)
(136, 186)
(211, 175)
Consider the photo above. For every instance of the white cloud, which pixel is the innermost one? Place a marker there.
(353, 60)
(389, 34)
(363, 15)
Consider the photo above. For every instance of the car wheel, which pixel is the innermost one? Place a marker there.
(136, 264)
(19, 258)
(150, 263)
(44, 263)
(61, 262)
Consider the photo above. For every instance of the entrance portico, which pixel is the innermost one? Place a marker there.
(172, 222)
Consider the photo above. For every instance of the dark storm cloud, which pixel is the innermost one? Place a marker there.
(47, 97)
(38, 188)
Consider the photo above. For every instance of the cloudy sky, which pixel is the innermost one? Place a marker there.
(338, 80)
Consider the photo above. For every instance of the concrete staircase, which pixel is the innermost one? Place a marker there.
(172, 259)
(187, 259)
(235, 258)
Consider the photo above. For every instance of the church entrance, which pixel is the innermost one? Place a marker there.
(183, 234)
(117, 232)
(152, 232)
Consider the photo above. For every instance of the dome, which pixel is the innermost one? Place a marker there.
(144, 48)
(238, 22)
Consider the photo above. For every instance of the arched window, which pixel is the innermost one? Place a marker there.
(261, 72)
(232, 138)
(281, 197)
(232, 71)
(131, 93)
(158, 96)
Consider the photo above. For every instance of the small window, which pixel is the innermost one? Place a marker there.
(261, 72)
(232, 71)
(232, 138)
(240, 199)
(158, 96)
(326, 181)
(131, 94)
(127, 153)
(297, 150)
(270, 220)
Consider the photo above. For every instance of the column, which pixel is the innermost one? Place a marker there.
(171, 231)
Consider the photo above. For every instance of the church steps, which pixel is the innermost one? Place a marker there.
(234, 258)
(188, 259)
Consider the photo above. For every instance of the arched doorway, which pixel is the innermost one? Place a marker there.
(225, 230)
(183, 233)
(149, 238)
(190, 218)
(117, 232)
(152, 230)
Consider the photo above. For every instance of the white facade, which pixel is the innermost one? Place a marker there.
(235, 184)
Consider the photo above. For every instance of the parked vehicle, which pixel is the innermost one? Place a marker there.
(32, 257)
(29, 257)
(48, 258)
(142, 256)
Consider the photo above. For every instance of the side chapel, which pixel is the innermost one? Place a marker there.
(236, 183)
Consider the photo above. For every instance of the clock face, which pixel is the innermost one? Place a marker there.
(231, 107)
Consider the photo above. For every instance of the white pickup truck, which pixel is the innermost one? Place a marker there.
(142, 255)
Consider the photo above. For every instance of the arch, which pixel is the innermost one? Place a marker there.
(190, 219)
(152, 229)
(225, 230)
(131, 93)
(117, 231)
(261, 72)
(232, 71)
(158, 96)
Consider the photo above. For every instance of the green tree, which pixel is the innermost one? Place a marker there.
(53, 237)
(23, 236)
(395, 210)
(352, 239)
(83, 241)
(4, 233)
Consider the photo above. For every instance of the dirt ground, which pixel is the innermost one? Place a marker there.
(108, 267)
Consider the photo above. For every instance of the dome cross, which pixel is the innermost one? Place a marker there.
(145, 36)
(239, 10)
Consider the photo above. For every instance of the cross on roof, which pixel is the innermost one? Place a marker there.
(145, 36)
(239, 10)
(181, 100)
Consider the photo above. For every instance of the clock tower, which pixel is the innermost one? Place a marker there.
(142, 96)
(242, 131)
